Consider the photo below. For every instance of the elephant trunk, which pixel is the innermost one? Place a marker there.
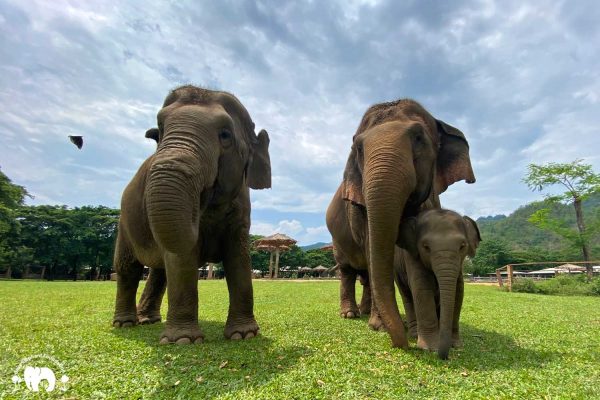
(180, 173)
(386, 194)
(445, 272)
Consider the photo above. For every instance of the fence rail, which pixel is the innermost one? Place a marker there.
(510, 269)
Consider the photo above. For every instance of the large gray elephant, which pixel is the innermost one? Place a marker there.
(189, 204)
(429, 274)
(401, 157)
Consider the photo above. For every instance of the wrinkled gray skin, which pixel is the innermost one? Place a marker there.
(429, 274)
(401, 157)
(189, 204)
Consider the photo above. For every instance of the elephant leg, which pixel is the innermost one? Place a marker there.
(148, 309)
(423, 286)
(375, 321)
(365, 301)
(460, 290)
(129, 272)
(241, 323)
(409, 309)
(348, 307)
(182, 292)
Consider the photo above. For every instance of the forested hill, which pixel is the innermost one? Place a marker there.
(524, 238)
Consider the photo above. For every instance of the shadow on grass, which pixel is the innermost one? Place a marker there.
(485, 350)
(215, 367)
(482, 350)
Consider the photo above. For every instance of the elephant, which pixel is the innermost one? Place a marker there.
(33, 376)
(428, 271)
(189, 204)
(401, 159)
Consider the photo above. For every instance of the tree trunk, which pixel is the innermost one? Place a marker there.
(210, 271)
(8, 272)
(43, 272)
(271, 265)
(276, 263)
(584, 245)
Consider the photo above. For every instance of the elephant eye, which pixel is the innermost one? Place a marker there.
(225, 137)
(463, 245)
(425, 247)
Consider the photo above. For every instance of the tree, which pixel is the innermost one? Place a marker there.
(491, 255)
(12, 255)
(580, 183)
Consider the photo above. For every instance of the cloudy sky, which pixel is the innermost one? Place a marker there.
(520, 79)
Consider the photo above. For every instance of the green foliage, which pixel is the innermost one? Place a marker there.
(579, 182)
(66, 240)
(578, 179)
(524, 285)
(526, 242)
(565, 285)
(514, 346)
(491, 254)
(12, 196)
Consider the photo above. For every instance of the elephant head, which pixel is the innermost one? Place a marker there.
(207, 152)
(440, 240)
(34, 375)
(401, 156)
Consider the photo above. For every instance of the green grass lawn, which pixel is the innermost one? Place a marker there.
(516, 345)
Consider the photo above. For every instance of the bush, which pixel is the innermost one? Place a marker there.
(525, 285)
(565, 285)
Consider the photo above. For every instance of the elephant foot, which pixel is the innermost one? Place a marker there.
(124, 320)
(350, 313)
(187, 334)
(241, 330)
(430, 343)
(376, 323)
(146, 319)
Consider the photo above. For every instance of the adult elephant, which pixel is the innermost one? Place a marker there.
(401, 157)
(189, 204)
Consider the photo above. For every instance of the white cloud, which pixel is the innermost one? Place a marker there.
(519, 78)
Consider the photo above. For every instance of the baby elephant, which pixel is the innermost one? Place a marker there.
(429, 275)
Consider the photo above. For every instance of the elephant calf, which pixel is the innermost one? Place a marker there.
(189, 204)
(429, 275)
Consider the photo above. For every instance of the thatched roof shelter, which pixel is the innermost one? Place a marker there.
(274, 244)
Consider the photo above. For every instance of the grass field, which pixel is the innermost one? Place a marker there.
(520, 346)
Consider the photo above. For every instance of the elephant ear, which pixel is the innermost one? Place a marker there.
(473, 235)
(453, 162)
(352, 190)
(407, 236)
(259, 168)
(153, 134)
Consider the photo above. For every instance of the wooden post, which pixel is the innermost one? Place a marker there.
(271, 265)
(210, 271)
(509, 270)
(276, 263)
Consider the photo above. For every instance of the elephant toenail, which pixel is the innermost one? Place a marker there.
(236, 336)
(183, 340)
(127, 324)
(249, 335)
(164, 340)
(116, 324)
(199, 340)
